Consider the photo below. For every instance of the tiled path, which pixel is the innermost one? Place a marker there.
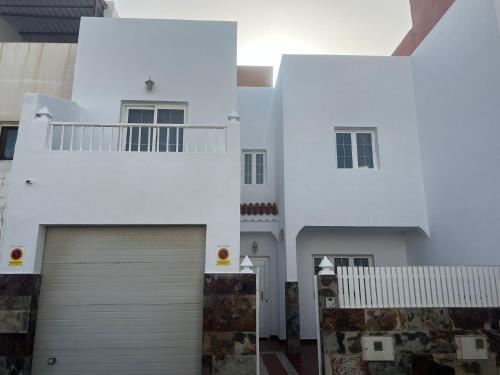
(275, 361)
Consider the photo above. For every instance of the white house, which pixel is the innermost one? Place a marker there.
(366, 160)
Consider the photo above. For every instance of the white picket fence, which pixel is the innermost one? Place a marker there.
(385, 287)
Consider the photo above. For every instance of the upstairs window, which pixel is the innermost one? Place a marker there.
(168, 139)
(8, 138)
(254, 167)
(356, 149)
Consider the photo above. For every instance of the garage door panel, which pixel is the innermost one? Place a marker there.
(118, 341)
(87, 269)
(161, 366)
(146, 311)
(124, 300)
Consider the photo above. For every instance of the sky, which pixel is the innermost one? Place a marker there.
(269, 28)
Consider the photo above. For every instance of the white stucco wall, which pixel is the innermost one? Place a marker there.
(497, 8)
(191, 62)
(324, 92)
(257, 133)
(116, 188)
(387, 247)
(457, 88)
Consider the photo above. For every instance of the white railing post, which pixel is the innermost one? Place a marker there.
(246, 264)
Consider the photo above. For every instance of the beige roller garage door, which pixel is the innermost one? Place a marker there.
(121, 300)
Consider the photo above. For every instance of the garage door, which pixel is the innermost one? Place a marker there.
(121, 300)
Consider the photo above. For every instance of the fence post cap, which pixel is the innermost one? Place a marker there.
(246, 264)
(44, 113)
(326, 267)
(325, 262)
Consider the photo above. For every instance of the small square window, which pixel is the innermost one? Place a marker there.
(378, 346)
(254, 167)
(356, 148)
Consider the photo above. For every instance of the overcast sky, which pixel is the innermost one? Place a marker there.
(269, 28)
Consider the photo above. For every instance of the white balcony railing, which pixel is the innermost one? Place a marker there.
(136, 138)
(387, 287)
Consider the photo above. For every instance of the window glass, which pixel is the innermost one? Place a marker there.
(344, 150)
(170, 116)
(248, 169)
(175, 135)
(365, 150)
(356, 149)
(259, 165)
(254, 167)
(361, 262)
(168, 139)
(141, 116)
(316, 261)
(8, 142)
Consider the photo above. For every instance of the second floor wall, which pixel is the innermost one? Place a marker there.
(331, 181)
(191, 63)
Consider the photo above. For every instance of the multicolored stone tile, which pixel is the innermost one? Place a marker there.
(292, 317)
(343, 320)
(424, 338)
(382, 319)
(229, 324)
(425, 319)
(469, 318)
(346, 365)
(245, 343)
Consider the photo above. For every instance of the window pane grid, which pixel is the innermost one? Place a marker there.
(254, 167)
(144, 142)
(344, 150)
(259, 169)
(248, 169)
(364, 148)
(359, 156)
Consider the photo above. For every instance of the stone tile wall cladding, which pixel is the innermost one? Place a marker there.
(292, 317)
(229, 324)
(18, 308)
(424, 340)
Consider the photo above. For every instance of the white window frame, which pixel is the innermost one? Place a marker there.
(126, 107)
(354, 146)
(254, 154)
(349, 256)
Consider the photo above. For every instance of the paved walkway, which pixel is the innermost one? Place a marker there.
(275, 361)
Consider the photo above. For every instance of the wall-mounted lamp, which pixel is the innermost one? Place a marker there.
(255, 247)
(150, 84)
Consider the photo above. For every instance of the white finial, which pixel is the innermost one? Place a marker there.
(327, 267)
(44, 113)
(233, 116)
(246, 264)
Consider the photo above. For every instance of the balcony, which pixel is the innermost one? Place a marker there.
(154, 138)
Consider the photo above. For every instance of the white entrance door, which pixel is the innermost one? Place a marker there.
(261, 264)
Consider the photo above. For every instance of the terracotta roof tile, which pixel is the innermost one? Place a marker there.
(259, 209)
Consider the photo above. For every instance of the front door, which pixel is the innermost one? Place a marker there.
(261, 267)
